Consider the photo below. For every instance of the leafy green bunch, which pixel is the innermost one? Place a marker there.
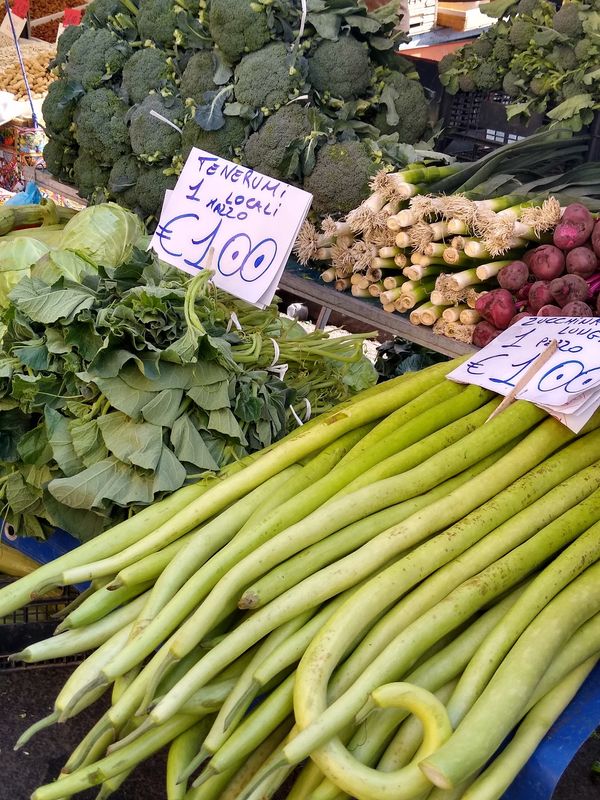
(141, 83)
(545, 59)
(123, 385)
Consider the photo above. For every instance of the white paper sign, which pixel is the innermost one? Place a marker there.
(250, 220)
(568, 384)
(18, 23)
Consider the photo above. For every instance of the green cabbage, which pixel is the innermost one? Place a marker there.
(16, 258)
(104, 234)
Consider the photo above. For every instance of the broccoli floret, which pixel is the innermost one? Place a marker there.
(340, 179)
(122, 181)
(96, 56)
(411, 107)
(151, 187)
(90, 177)
(502, 51)
(158, 21)
(224, 142)
(238, 27)
(563, 55)
(566, 20)
(64, 44)
(521, 33)
(59, 159)
(198, 76)
(266, 149)
(482, 47)
(486, 77)
(585, 50)
(58, 107)
(263, 79)
(151, 139)
(147, 70)
(466, 83)
(527, 6)
(340, 69)
(448, 62)
(101, 126)
(510, 85)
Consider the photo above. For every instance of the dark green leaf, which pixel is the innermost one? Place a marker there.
(209, 115)
(137, 443)
(109, 479)
(211, 396)
(61, 442)
(164, 408)
(189, 445)
(78, 522)
(223, 421)
(170, 473)
(34, 448)
(87, 441)
(20, 496)
(326, 25)
(33, 355)
(45, 304)
(123, 397)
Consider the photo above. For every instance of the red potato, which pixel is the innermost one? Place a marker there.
(582, 261)
(497, 307)
(484, 333)
(547, 262)
(596, 239)
(575, 227)
(523, 293)
(539, 295)
(520, 315)
(577, 308)
(550, 311)
(568, 288)
(526, 257)
(513, 276)
(598, 306)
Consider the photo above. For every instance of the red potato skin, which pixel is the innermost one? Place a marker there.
(598, 306)
(520, 315)
(582, 261)
(523, 293)
(568, 288)
(539, 295)
(577, 308)
(484, 333)
(514, 276)
(547, 262)
(596, 239)
(526, 257)
(497, 307)
(550, 311)
(575, 227)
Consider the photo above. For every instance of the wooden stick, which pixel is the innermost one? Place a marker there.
(533, 369)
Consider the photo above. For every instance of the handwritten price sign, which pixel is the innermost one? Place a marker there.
(567, 385)
(249, 220)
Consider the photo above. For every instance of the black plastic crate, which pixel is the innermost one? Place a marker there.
(30, 624)
(475, 123)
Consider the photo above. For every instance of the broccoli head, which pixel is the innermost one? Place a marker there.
(266, 150)
(224, 143)
(340, 179)
(157, 22)
(95, 57)
(521, 33)
(59, 159)
(198, 76)
(64, 44)
(448, 62)
(482, 47)
(122, 181)
(263, 79)
(238, 27)
(102, 13)
(58, 107)
(411, 107)
(527, 6)
(101, 125)
(510, 85)
(90, 177)
(340, 69)
(147, 70)
(502, 51)
(567, 21)
(585, 50)
(151, 138)
(151, 187)
(563, 55)
(466, 83)
(486, 77)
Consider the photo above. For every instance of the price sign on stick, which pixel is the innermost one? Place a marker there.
(567, 382)
(250, 221)
(20, 9)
